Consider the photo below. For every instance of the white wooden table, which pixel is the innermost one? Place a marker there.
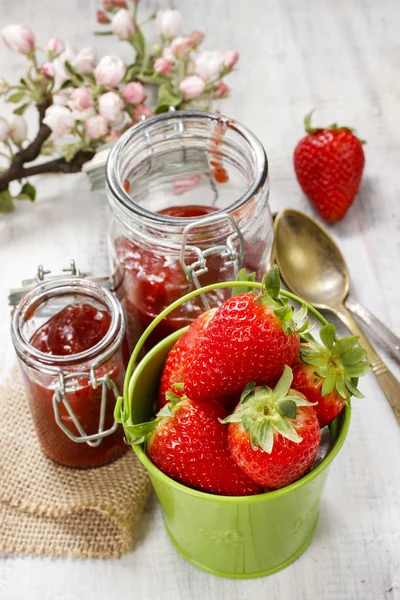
(341, 57)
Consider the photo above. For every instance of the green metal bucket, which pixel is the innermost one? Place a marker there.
(236, 537)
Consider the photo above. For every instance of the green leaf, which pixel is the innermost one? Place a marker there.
(340, 387)
(287, 408)
(14, 98)
(102, 33)
(284, 383)
(167, 96)
(160, 109)
(353, 389)
(235, 417)
(139, 42)
(67, 83)
(344, 345)
(283, 426)
(353, 356)
(6, 202)
(72, 71)
(247, 390)
(266, 436)
(178, 386)
(300, 314)
(69, 151)
(137, 434)
(272, 282)
(243, 276)
(328, 335)
(21, 109)
(29, 191)
(266, 300)
(357, 370)
(329, 384)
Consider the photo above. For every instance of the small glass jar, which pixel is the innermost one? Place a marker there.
(189, 196)
(72, 396)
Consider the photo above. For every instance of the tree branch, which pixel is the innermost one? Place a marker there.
(59, 165)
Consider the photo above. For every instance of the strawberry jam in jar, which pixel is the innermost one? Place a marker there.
(69, 335)
(189, 196)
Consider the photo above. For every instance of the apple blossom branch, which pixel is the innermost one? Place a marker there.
(83, 103)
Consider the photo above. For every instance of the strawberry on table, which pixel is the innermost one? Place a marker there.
(250, 338)
(323, 372)
(187, 442)
(180, 356)
(329, 163)
(274, 433)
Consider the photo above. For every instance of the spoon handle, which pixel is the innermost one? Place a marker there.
(388, 383)
(387, 338)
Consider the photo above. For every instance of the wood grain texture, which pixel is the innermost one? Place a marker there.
(342, 58)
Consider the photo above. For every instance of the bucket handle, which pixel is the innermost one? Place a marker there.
(122, 411)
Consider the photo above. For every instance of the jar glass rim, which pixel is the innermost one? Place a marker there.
(115, 184)
(64, 286)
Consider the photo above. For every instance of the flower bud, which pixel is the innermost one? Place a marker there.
(230, 58)
(96, 127)
(110, 71)
(102, 17)
(141, 110)
(122, 24)
(85, 60)
(180, 47)
(192, 87)
(119, 3)
(134, 93)
(196, 37)
(209, 64)
(107, 5)
(221, 90)
(59, 119)
(168, 23)
(111, 106)
(162, 66)
(81, 99)
(3, 86)
(62, 97)
(18, 128)
(18, 38)
(47, 70)
(54, 47)
(4, 129)
(113, 136)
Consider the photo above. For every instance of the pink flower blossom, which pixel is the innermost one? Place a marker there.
(62, 97)
(47, 70)
(59, 119)
(4, 129)
(113, 136)
(168, 23)
(110, 71)
(85, 60)
(18, 128)
(119, 3)
(141, 110)
(111, 106)
(134, 93)
(81, 99)
(196, 37)
(162, 66)
(96, 127)
(221, 90)
(83, 115)
(230, 58)
(209, 64)
(168, 54)
(122, 24)
(192, 87)
(18, 38)
(184, 185)
(54, 47)
(180, 47)
(108, 5)
(102, 17)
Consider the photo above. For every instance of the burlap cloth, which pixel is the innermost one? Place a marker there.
(46, 509)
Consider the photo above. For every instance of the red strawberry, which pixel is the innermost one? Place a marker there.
(329, 164)
(187, 442)
(324, 372)
(180, 357)
(274, 434)
(250, 338)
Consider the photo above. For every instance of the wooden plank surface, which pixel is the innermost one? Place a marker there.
(343, 58)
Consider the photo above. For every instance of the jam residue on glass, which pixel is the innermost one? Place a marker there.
(78, 327)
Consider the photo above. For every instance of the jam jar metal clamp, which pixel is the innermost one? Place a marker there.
(232, 256)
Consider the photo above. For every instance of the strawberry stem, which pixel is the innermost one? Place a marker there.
(332, 127)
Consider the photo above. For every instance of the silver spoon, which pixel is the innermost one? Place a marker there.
(313, 267)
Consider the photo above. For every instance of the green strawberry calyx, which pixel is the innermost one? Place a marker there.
(263, 411)
(333, 127)
(292, 322)
(338, 362)
(140, 432)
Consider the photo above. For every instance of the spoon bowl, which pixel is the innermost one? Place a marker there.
(311, 264)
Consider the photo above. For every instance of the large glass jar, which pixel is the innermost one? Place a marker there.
(69, 336)
(189, 196)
